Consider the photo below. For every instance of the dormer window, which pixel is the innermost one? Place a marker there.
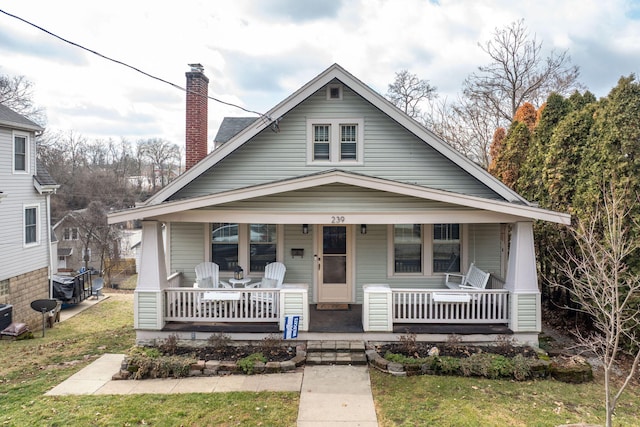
(334, 92)
(20, 153)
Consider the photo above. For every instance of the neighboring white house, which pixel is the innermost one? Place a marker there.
(362, 204)
(25, 233)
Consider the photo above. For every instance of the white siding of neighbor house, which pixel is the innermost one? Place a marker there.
(19, 191)
(390, 152)
(187, 249)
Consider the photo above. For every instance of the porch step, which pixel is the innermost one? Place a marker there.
(336, 353)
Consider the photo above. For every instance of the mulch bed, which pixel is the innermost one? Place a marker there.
(234, 353)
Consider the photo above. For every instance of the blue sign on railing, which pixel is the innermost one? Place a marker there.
(291, 327)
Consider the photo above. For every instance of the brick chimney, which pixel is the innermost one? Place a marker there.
(196, 131)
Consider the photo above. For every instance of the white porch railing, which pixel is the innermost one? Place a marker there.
(221, 305)
(473, 306)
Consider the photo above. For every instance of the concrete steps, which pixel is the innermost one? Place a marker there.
(336, 353)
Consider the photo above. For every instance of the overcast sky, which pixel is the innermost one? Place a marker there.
(258, 52)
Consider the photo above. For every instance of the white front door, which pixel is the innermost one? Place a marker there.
(334, 263)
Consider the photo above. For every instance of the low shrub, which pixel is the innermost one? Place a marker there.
(479, 364)
(148, 362)
(248, 364)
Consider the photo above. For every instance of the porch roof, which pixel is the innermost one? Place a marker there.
(465, 208)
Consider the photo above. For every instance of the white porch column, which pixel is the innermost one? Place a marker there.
(522, 280)
(152, 279)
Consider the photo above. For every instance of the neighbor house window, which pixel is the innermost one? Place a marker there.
(335, 141)
(20, 153)
(262, 246)
(4, 287)
(30, 225)
(70, 233)
(426, 249)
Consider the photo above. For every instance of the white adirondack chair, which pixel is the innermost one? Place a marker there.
(273, 278)
(208, 276)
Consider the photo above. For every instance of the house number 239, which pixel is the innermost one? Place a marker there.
(337, 219)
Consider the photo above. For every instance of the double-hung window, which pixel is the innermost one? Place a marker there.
(20, 153)
(335, 141)
(70, 233)
(251, 246)
(30, 225)
(425, 249)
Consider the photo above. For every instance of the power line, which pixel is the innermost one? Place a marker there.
(129, 66)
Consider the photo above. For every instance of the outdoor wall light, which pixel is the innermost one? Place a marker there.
(305, 228)
(363, 229)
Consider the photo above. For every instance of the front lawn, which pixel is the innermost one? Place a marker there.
(30, 368)
(428, 400)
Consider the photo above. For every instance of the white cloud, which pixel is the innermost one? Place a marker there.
(257, 53)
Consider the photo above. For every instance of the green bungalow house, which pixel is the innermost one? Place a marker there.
(367, 209)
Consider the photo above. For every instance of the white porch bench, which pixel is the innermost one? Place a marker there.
(474, 279)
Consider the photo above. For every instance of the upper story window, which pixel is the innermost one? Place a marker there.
(70, 233)
(30, 225)
(335, 141)
(20, 153)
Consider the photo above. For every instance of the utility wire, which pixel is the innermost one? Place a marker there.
(130, 66)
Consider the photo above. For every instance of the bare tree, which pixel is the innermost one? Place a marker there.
(16, 93)
(94, 232)
(606, 289)
(518, 72)
(408, 91)
(163, 157)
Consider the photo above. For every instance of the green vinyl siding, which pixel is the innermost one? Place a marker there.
(390, 152)
(299, 269)
(187, 249)
(483, 247)
(527, 311)
(345, 198)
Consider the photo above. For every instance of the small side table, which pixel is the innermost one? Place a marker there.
(239, 283)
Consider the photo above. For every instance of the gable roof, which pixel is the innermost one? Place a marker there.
(11, 119)
(324, 78)
(341, 177)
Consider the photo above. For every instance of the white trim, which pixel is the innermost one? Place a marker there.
(330, 88)
(24, 225)
(181, 208)
(335, 126)
(426, 236)
(27, 152)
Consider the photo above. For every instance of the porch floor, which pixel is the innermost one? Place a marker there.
(338, 321)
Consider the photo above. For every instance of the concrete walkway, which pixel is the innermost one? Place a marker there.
(329, 394)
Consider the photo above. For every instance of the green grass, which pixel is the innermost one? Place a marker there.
(30, 368)
(458, 401)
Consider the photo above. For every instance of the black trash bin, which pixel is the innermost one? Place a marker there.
(6, 315)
